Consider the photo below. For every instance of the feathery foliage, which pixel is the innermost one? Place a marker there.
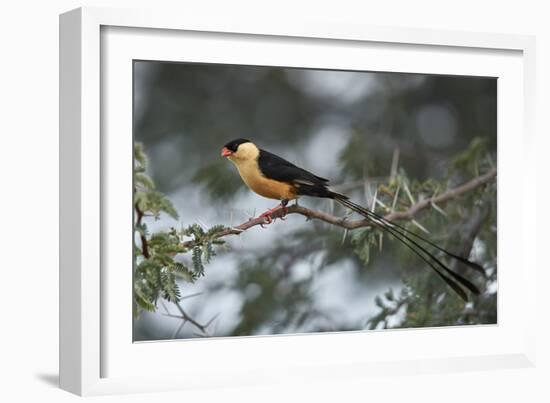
(160, 257)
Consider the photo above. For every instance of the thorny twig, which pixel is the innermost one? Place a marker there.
(185, 317)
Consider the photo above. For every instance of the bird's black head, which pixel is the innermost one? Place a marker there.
(232, 147)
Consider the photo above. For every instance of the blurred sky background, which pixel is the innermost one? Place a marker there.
(295, 276)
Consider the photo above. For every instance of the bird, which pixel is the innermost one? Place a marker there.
(274, 177)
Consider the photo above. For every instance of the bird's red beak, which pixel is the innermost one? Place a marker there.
(226, 152)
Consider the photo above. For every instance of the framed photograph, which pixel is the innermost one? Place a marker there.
(243, 202)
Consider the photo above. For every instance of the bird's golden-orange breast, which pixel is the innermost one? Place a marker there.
(272, 189)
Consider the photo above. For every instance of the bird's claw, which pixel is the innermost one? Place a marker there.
(267, 219)
(268, 215)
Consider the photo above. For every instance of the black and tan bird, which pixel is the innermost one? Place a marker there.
(274, 177)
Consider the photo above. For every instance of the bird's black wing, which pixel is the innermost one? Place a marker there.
(279, 169)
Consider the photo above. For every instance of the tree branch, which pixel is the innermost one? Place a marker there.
(185, 317)
(344, 222)
(144, 246)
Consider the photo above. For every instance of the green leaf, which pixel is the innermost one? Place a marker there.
(139, 155)
(143, 301)
(169, 287)
(362, 241)
(154, 202)
(215, 229)
(184, 273)
(194, 230)
(197, 261)
(364, 253)
(468, 159)
(208, 252)
(144, 180)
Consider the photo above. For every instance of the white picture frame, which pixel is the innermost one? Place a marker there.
(96, 356)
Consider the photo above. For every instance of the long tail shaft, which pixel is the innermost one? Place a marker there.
(454, 280)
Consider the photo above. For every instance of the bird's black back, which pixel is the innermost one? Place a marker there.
(279, 169)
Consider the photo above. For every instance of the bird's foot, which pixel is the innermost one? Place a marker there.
(267, 218)
(268, 215)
